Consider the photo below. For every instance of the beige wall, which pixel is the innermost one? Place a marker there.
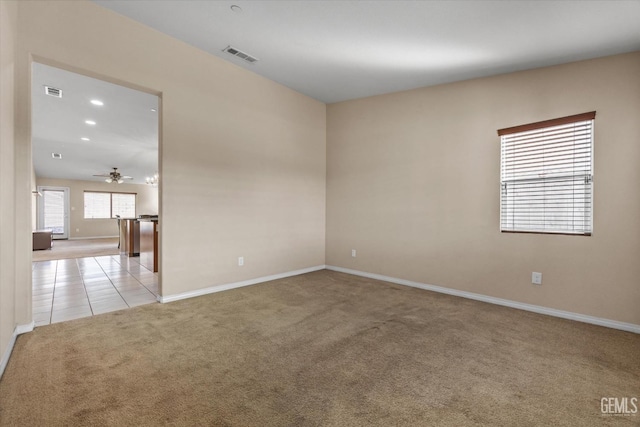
(242, 158)
(8, 32)
(413, 185)
(146, 203)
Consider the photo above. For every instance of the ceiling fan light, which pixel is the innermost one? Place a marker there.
(120, 181)
(109, 180)
(153, 180)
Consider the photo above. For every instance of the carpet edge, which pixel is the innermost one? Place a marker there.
(584, 318)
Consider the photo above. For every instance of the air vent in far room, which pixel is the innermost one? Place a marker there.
(53, 91)
(240, 54)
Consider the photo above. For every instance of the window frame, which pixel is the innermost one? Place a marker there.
(111, 193)
(590, 116)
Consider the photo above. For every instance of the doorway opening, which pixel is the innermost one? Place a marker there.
(95, 148)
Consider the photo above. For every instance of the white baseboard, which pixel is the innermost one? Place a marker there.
(23, 329)
(90, 238)
(19, 330)
(614, 324)
(228, 286)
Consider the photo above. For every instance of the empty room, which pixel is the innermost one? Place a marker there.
(420, 213)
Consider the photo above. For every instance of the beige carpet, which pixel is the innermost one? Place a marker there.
(326, 349)
(63, 249)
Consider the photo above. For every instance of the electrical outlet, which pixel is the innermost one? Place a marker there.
(353, 253)
(240, 261)
(536, 278)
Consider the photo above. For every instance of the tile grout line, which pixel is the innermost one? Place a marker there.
(135, 278)
(142, 284)
(55, 288)
(53, 295)
(112, 284)
(108, 278)
(84, 286)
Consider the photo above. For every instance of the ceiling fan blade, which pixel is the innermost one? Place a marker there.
(114, 175)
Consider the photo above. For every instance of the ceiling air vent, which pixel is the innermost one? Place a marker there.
(53, 91)
(235, 52)
(56, 155)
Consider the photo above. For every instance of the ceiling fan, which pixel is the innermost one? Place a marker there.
(114, 176)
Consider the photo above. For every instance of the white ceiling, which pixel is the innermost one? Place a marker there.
(340, 50)
(329, 50)
(125, 134)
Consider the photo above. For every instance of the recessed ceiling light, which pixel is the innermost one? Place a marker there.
(85, 139)
(235, 8)
(97, 102)
(154, 110)
(90, 122)
(56, 155)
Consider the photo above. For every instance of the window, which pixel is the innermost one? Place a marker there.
(123, 204)
(547, 176)
(97, 205)
(108, 205)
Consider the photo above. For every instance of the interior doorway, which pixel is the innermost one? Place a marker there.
(95, 153)
(100, 141)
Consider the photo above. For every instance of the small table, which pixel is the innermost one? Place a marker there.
(42, 239)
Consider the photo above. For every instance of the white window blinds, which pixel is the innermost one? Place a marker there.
(123, 204)
(97, 205)
(108, 205)
(547, 176)
(54, 210)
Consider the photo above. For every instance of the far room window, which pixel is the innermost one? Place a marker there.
(123, 204)
(108, 205)
(547, 176)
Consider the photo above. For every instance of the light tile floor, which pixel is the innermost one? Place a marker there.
(69, 289)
